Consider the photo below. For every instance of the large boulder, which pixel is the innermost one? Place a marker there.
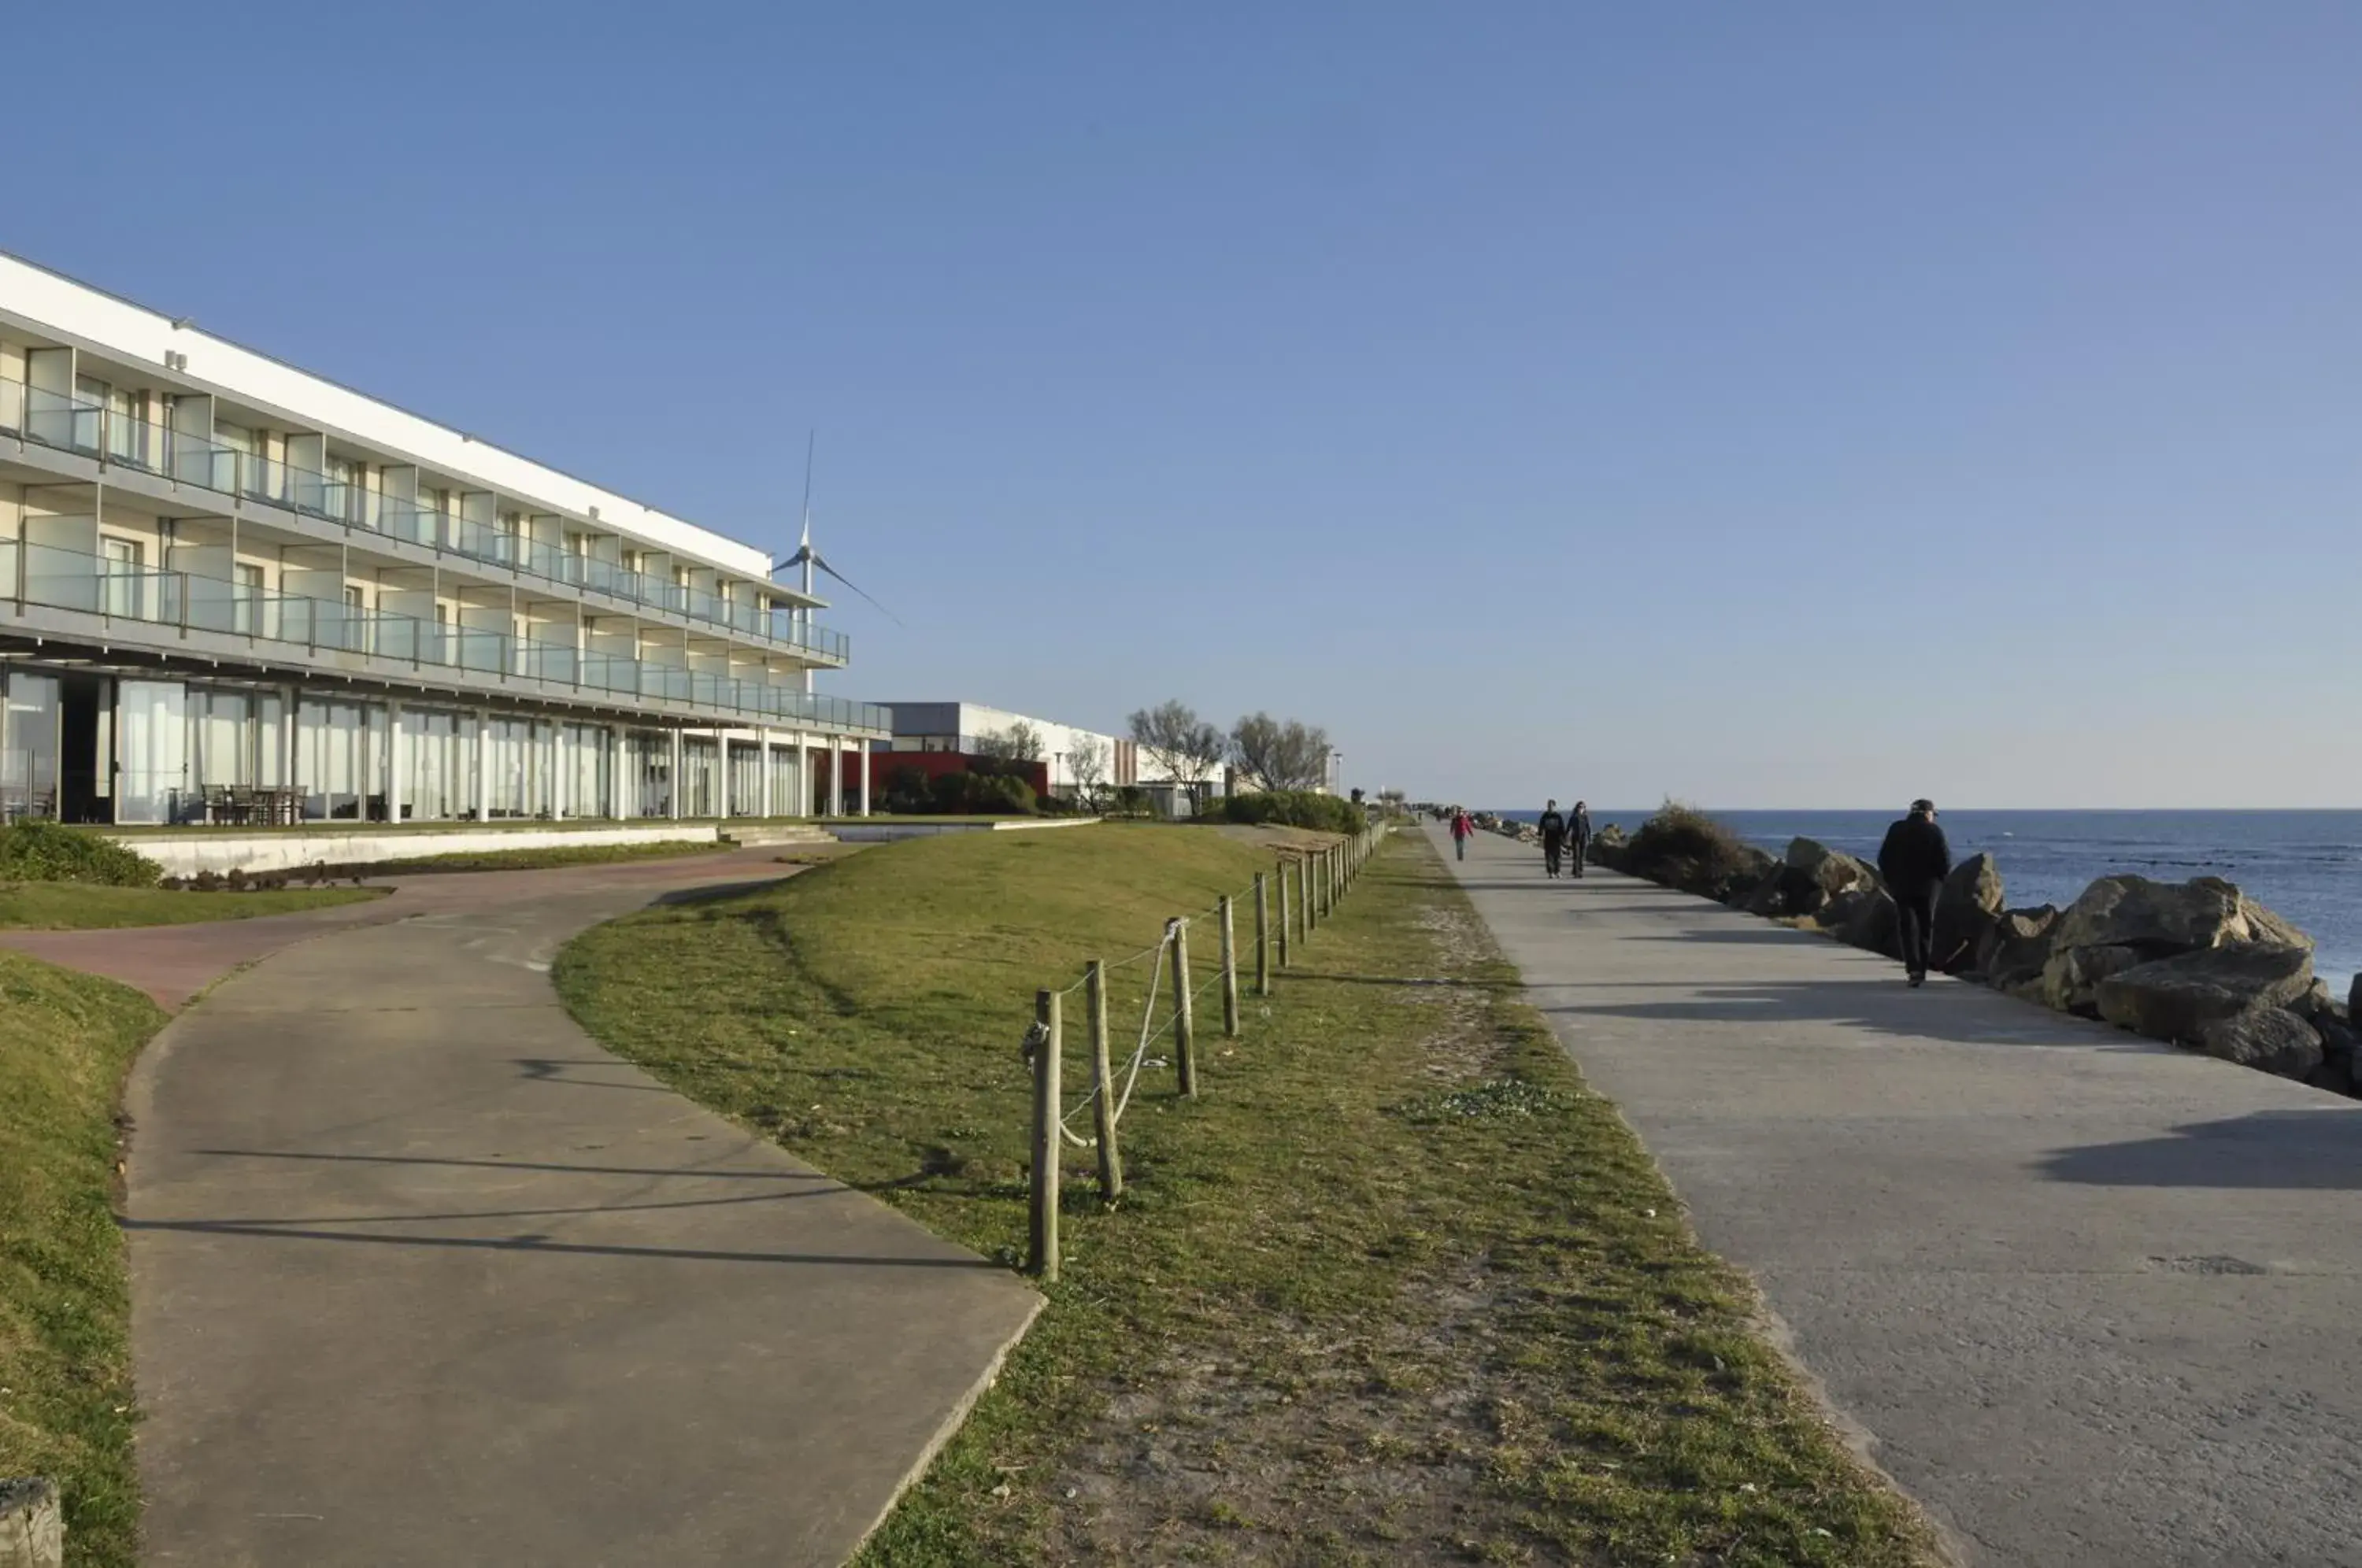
(2016, 946)
(1826, 872)
(2170, 917)
(2270, 1039)
(2071, 976)
(1866, 919)
(1965, 910)
(2177, 997)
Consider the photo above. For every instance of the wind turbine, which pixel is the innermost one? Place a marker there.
(810, 558)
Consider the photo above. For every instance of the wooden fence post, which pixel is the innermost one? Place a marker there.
(1103, 1083)
(1286, 918)
(1230, 973)
(1185, 1033)
(1042, 1243)
(1304, 900)
(1263, 935)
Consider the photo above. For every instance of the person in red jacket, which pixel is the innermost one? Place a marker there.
(1462, 830)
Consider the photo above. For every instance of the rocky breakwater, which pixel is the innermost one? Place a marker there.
(2196, 964)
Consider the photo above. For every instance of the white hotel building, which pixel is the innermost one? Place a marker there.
(233, 591)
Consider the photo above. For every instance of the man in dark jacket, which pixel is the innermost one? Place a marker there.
(1913, 862)
(1578, 834)
(1553, 828)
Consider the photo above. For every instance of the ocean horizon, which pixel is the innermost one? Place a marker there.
(2305, 865)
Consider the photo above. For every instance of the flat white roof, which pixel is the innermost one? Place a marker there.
(72, 310)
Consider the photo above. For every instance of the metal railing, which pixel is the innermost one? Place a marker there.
(60, 579)
(69, 423)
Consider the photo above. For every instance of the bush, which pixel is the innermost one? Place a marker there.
(982, 794)
(46, 852)
(1682, 847)
(1289, 808)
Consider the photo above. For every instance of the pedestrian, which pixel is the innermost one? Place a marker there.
(1578, 834)
(1462, 830)
(1913, 861)
(1554, 826)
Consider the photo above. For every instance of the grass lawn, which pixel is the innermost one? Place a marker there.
(1399, 1288)
(83, 906)
(535, 859)
(66, 1041)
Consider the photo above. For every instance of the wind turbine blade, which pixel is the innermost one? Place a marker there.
(812, 443)
(820, 561)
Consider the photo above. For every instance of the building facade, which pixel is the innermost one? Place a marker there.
(970, 729)
(233, 591)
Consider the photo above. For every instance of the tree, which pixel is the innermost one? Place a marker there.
(1020, 742)
(1276, 755)
(1182, 746)
(1088, 765)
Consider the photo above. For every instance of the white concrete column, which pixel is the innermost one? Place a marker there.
(721, 772)
(397, 761)
(483, 765)
(807, 800)
(763, 773)
(561, 758)
(836, 775)
(864, 777)
(677, 753)
(287, 749)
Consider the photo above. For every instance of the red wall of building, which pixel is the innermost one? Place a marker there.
(884, 765)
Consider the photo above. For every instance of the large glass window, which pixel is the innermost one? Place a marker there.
(153, 734)
(700, 794)
(745, 780)
(440, 757)
(648, 755)
(589, 762)
(28, 746)
(787, 796)
(223, 744)
(340, 758)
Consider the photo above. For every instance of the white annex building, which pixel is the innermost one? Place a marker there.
(970, 727)
(233, 591)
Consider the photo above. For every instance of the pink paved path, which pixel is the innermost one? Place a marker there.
(174, 963)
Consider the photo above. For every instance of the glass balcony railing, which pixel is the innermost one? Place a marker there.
(69, 423)
(123, 591)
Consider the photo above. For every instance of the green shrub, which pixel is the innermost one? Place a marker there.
(46, 852)
(1681, 846)
(1289, 808)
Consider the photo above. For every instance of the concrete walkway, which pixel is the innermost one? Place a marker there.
(420, 1275)
(2092, 1300)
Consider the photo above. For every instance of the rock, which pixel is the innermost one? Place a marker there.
(2316, 1002)
(2171, 917)
(2334, 1073)
(2262, 925)
(2016, 946)
(2071, 976)
(2271, 1039)
(1869, 922)
(32, 1527)
(2354, 998)
(1828, 873)
(2338, 1040)
(1965, 910)
(2177, 997)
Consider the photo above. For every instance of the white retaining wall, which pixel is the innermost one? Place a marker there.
(222, 852)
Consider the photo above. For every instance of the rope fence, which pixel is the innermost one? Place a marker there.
(1302, 891)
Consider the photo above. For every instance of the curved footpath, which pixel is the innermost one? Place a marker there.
(420, 1275)
(2092, 1300)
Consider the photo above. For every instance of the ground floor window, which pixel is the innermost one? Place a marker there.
(647, 760)
(590, 769)
(29, 745)
(523, 768)
(342, 759)
(786, 782)
(438, 763)
(700, 783)
(745, 779)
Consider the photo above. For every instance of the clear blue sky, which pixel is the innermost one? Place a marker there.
(1770, 405)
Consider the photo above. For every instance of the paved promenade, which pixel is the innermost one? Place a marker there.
(421, 1275)
(2092, 1300)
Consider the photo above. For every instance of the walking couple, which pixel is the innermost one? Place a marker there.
(1564, 833)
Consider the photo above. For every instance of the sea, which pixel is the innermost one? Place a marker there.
(2305, 866)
